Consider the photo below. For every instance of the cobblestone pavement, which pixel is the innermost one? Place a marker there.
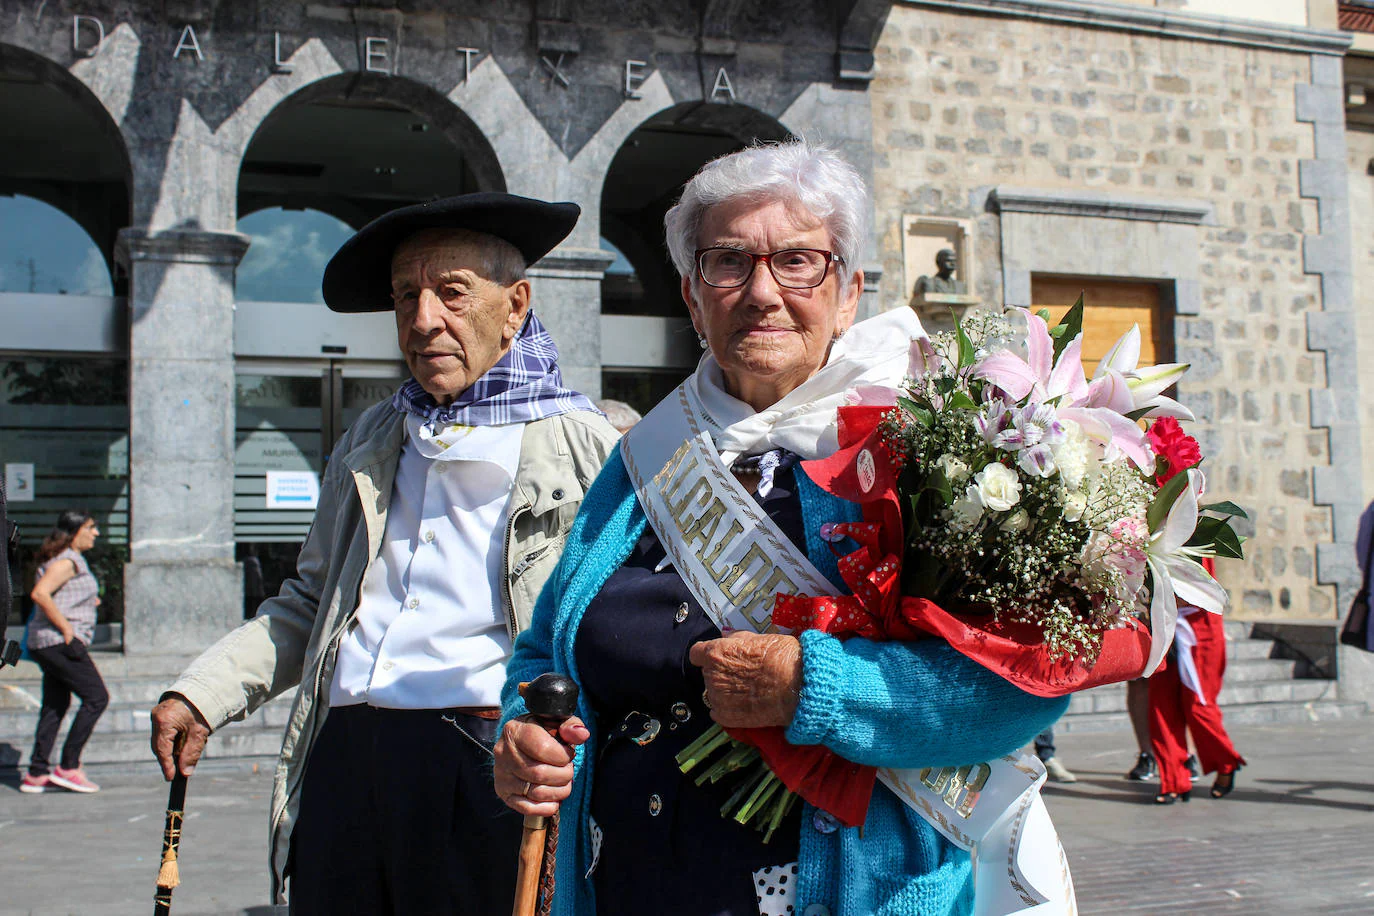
(1290, 839)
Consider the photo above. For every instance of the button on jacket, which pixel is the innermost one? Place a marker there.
(294, 637)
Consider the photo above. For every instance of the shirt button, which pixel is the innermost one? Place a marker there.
(655, 805)
(824, 822)
(429, 537)
(387, 666)
(413, 603)
(682, 611)
(557, 494)
(816, 909)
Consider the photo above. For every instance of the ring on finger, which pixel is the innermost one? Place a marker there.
(526, 791)
(706, 699)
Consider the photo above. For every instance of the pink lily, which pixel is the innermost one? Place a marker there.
(1176, 575)
(1113, 432)
(1038, 374)
(1122, 385)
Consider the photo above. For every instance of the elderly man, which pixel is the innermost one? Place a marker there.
(441, 513)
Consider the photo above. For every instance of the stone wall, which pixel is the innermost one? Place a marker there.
(965, 103)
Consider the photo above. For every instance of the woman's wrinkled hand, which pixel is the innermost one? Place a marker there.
(753, 680)
(534, 770)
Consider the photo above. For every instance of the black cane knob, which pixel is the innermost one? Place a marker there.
(550, 696)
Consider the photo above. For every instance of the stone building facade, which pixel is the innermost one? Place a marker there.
(1088, 141)
(1154, 143)
(541, 98)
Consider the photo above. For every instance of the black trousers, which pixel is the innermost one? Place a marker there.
(66, 670)
(398, 816)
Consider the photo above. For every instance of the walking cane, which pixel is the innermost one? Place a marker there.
(168, 876)
(551, 699)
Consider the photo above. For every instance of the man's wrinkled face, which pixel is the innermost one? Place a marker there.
(452, 322)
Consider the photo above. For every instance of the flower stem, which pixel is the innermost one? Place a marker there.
(756, 801)
(780, 809)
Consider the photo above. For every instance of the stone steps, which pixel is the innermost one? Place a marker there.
(1258, 690)
(122, 734)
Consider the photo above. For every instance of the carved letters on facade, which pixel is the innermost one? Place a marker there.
(88, 34)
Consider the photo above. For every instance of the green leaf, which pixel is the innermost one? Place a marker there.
(1206, 532)
(939, 484)
(946, 385)
(1072, 323)
(1044, 315)
(1217, 534)
(1228, 544)
(1225, 508)
(1164, 501)
(918, 413)
(960, 401)
(1138, 414)
(966, 353)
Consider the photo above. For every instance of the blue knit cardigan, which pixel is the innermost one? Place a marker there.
(877, 703)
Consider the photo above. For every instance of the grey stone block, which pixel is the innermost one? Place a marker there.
(178, 607)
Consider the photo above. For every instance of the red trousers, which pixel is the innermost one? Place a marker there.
(1175, 710)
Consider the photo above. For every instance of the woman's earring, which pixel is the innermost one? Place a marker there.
(701, 341)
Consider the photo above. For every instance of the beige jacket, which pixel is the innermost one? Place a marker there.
(294, 637)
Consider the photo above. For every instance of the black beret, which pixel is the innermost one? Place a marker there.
(358, 277)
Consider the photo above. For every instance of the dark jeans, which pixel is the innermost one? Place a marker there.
(1044, 744)
(398, 816)
(66, 670)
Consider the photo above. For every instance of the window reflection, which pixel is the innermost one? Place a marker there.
(43, 250)
(287, 257)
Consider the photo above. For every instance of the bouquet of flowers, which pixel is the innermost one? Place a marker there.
(1012, 507)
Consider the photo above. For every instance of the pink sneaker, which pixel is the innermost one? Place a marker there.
(75, 780)
(33, 785)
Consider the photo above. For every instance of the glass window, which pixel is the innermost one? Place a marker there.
(43, 250)
(287, 257)
(641, 389)
(69, 420)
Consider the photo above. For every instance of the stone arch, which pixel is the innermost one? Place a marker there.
(647, 172)
(385, 100)
(88, 176)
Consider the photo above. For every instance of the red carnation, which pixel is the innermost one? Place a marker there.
(1177, 449)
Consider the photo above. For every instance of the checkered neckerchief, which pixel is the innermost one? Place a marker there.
(524, 385)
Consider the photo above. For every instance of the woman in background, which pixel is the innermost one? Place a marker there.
(60, 632)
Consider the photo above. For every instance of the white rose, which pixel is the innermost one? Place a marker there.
(1075, 504)
(955, 470)
(998, 487)
(1017, 521)
(968, 508)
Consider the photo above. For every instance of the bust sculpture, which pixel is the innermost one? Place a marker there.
(943, 283)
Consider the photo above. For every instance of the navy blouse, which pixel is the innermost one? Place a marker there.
(664, 846)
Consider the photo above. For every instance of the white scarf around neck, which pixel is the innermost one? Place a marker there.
(872, 352)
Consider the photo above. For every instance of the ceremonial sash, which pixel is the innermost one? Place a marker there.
(734, 559)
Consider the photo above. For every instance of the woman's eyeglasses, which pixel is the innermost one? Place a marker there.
(792, 268)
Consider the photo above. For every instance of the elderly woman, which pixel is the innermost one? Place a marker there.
(767, 241)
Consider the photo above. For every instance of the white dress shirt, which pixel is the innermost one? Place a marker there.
(431, 629)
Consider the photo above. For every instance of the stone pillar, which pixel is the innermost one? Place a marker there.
(182, 587)
(566, 286)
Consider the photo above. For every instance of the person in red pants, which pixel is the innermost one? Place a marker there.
(1183, 698)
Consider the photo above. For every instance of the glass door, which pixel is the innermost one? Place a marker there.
(288, 419)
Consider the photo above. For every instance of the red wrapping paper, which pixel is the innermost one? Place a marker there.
(861, 471)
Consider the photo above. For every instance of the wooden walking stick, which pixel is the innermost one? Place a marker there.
(551, 699)
(168, 876)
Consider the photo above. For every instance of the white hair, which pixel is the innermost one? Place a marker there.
(793, 171)
(620, 415)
